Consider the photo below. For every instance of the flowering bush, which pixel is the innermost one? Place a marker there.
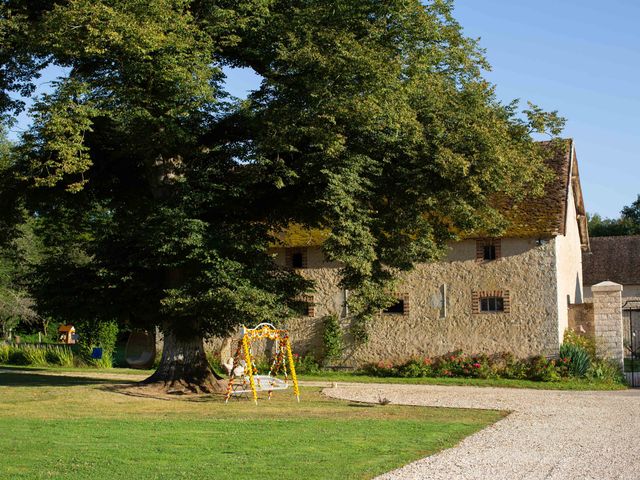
(381, 369)
(459, 364)
(508, 366)
(543, 369)
(572, 338)
(417, 367)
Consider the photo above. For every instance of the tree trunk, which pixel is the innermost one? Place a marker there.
(184, 368)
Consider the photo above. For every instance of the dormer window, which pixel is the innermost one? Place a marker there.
(489, 252)
(488, 249)
(296, 258)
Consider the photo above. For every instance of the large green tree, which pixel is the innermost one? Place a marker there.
(160, 194)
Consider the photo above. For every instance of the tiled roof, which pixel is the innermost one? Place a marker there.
(612, 258)
(544, 215)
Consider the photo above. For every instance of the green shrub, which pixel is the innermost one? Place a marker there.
(380, 369)
(306, 364)
(542, 369)
(506, 365)
(416, 368)
(332, 338)
(606, 371)
(577, 359)
(97, 333)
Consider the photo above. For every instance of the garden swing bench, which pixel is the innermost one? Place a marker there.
(243, 374)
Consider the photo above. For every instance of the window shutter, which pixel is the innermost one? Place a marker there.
(406, 308)
(475, 302)
(311, 306)
(507, 301)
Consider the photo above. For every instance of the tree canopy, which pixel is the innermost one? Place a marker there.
(159, 194)
(627, 224)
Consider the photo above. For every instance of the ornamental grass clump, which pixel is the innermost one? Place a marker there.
(4, 353)
(35, 355)
(577, 359)
(59, 355)
(17, 356)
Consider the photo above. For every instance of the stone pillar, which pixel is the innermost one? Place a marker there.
(607, 315)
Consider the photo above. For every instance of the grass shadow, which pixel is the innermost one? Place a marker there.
(18, 379)
(136, 389)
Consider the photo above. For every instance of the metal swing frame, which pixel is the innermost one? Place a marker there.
(250, 381)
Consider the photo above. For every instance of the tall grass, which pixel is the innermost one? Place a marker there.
(60, 355)
(37, 355)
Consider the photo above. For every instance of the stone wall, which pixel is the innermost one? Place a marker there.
(607, 307)
(581, 319)
(441, 295)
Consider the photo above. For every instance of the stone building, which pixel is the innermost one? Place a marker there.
(508, 294)
(617, 259)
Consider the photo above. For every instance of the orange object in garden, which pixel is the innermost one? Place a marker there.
(67, 334)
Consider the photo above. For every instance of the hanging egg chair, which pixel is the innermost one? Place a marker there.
(140, 351)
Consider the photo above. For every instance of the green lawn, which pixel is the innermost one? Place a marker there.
(572, 384)
(333, 376)
(66, 427)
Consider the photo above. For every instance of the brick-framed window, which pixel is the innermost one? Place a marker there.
(490, 301)
(401, 307)
(488, 249)
(311, 306)
(296, 257)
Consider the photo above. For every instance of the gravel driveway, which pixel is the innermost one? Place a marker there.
(548, 435)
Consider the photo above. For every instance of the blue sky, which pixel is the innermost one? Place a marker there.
(581, 58)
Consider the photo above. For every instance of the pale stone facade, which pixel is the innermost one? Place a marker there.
(440, 296)
(569, 267)
(513, 297)
(535, 277)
